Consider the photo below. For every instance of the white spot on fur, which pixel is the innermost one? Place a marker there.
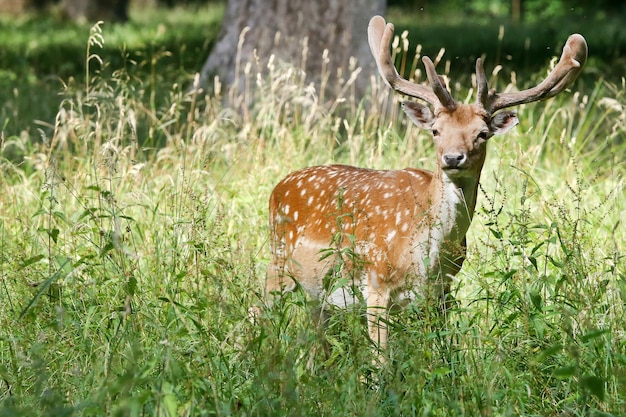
(374, 279)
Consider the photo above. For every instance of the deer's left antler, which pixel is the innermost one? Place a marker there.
(564, 73)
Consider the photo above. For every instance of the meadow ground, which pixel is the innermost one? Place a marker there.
(134, 238)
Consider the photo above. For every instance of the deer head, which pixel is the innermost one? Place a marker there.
(461, 130)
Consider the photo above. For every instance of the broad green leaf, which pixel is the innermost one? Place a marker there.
(594, 384)
(565, 372)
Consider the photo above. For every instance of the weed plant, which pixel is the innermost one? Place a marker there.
(133, 242)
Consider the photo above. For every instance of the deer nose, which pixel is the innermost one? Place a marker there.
(454, 160)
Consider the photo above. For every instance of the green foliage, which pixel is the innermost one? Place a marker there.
(133, 243)
(531, 10)
(163, 44)
(521, 49)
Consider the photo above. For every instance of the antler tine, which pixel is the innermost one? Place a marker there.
(379, 34)
(564, 73)
(482, 88)
(438, 88)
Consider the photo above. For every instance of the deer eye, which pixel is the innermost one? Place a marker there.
(435, 132)
(484, 135)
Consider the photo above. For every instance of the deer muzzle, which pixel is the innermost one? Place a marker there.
(454, 160)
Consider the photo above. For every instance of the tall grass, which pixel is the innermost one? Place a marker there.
(128, 269)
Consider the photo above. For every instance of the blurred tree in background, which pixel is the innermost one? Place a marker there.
(313, 35)
(91, 10)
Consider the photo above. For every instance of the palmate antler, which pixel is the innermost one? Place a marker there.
(564, 73)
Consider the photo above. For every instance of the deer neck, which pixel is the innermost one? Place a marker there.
(454, 201)
(442, 237)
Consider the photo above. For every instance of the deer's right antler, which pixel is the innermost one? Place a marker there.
(379, 34)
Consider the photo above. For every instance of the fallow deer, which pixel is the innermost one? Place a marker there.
(406, 226)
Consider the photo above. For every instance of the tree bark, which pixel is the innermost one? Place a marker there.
(295, 32)
(93, 10)
(517, 11)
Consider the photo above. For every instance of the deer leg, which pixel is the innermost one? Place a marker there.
(452, 261)
(278, 278)
(276, 283)
(377, 309)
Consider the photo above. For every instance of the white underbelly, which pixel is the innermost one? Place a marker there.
(346, 296)
(343, 294)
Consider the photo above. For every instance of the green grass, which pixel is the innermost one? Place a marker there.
(133, 241)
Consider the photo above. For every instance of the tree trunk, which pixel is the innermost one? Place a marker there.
(93, 10)
(517, 11)
(295, 32)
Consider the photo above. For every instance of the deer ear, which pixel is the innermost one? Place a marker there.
(420, 114)
(503, 121)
